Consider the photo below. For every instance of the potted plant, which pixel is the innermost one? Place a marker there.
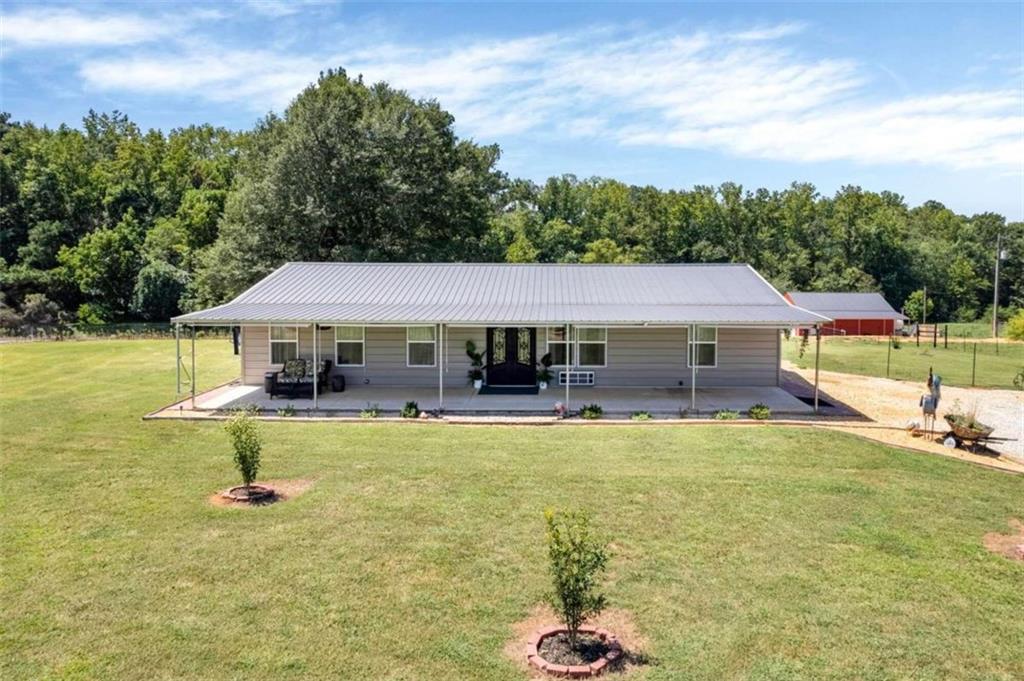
(476, 362)
(544, 374)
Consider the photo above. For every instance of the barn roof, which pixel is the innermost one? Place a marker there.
(839, 305)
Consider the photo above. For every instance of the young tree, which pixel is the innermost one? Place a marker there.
(577, 560)
(247, 443)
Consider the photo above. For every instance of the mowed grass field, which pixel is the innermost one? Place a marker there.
(955, 363)
(741, 552)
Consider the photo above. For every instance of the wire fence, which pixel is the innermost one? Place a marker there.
(961, 361)
(125, 331)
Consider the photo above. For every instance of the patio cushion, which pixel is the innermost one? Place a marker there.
(294, 369)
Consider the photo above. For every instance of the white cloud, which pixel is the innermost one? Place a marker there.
(260, 80)
(283, 8)
(37, 28)
(745, 93)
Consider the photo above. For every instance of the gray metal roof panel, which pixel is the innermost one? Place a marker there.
(481, 293)
(838, 305)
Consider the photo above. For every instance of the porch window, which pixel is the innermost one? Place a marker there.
(703, 347)
(349, 343)
(593, 346)
(558, 347)
(420, 346)
(284, 344)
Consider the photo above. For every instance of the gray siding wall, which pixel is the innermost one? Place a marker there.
(385, 356)
(636, 357)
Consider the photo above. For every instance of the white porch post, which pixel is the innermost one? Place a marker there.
(691, 353)
(568, 354)
(193, 366)
(177, 359)
(440, 367)
(316, 365)
(817, 355)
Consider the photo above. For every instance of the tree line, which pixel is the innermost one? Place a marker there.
(106, 223)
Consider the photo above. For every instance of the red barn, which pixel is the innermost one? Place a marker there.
(853, 314)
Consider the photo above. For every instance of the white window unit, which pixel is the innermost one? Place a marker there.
(576, 377)
(284, 343)
(420, 346)
(702, 346)
(350, 346)
(592, 346)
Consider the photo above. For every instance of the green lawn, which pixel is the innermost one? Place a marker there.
(743, 553)
(955, 363)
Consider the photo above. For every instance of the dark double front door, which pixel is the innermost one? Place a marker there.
(511, 355)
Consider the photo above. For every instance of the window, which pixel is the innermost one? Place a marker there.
(498, 346)
(557, 346)
(703, 346)
(420, 348)
(284, 344)
(349, 342)
(593, 346)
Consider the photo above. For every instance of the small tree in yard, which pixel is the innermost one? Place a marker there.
(577, 559)
(245, 438)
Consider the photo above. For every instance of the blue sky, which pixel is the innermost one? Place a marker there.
(924, 100)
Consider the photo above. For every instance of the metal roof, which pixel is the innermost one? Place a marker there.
(846, 305)
(380, 293)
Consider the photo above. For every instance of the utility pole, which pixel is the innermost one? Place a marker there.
(995, 287)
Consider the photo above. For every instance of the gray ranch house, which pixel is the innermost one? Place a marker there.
(655, 337)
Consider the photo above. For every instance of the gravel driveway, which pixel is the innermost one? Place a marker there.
(894, 403)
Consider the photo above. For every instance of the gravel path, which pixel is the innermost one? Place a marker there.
(894, 403)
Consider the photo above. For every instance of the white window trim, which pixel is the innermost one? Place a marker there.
(410, 342)
(271, 341)
(691, 350)
(362, 341)
(567, 343)
(576, 333)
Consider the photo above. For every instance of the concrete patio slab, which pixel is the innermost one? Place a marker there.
(467, 401)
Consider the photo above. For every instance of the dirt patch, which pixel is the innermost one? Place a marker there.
(1009, 545)
(284, 490)
(617, 621)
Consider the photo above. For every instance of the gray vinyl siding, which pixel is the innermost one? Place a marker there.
(746, 357)
(656, 357)
(384, 356)
(636, 357)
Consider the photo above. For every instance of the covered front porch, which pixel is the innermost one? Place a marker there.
(466, 400)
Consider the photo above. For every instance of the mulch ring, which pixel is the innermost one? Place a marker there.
(283, 491)
(1009, 545)
(616, 621)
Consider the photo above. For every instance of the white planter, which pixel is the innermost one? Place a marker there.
(543, 385)
(478, 383)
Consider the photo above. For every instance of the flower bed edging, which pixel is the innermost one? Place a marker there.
(574, 671)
